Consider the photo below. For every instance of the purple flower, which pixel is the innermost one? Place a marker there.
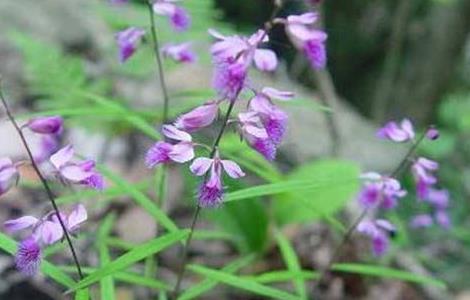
(178, 17)
(229, 78)
(46, 125)
(432, 134)
(421, 221)
(127, 41)
(211, 191)
(199, 117)
(397, 133)
(273, 118)
(438, 198)
(256, 135)
(246, 49)
(82, 172)
(48, 229)
(44, 146)
(28, 257)
(380, 190)
(442, 218)
(422, 170)
(308, 40)
(8, 174)
(181, 53)
(378, 231)
(163, 152)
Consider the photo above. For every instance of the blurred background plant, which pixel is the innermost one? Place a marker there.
(386, 60)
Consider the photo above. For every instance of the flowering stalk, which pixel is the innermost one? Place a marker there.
(198, 208)
(49, 192)
(156, 48)
(365, 211)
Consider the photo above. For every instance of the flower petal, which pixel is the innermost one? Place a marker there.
(182, 152)
(232, 169)
(76, 217)
(20, 223)
(265, 60)
(63, 156)
(50, 232)
(174, 133)
(201, 165)
(277, 94)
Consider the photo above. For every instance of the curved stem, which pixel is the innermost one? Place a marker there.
(350, 231)
(158, 60)
(43, 180)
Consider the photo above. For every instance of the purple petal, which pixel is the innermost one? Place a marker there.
(28, 257)
(20, 223)
(180, 19)
(315, 51)
(421, 221)
(380, 244)
(432, 134)
(232, 169)
(438, 198)
(306, 19)
(265, 60)
(174, 133)
(277, 94)
(74, 173)
(76, 218)
(407, 126)
(182, 152)
(50, 232)
(62, 157)
(46, 125)
(201, 165)
(199, 117)
(159, 153)
(442, 218)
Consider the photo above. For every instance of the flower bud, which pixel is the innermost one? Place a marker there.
(46, 125)
(199, 117)
(432, 134)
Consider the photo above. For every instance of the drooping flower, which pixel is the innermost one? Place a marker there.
(128, 41)
(199, 117)
(379, 232)
(438, 198)
(397, 133)
(380, 191)
(28, 257)
(163, 152)
(211, 191)
(181, 53)
(255, 134)
(232, 57)
(306, 39)
(178, 17)
(422, 170)
(272, 117)
(8, 174)
(46, 125)
(77, 172)
(45, 231)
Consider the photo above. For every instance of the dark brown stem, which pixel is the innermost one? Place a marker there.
(158, 60)
(347, 236)
(43, 180)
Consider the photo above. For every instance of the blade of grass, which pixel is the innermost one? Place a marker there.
(107, 288)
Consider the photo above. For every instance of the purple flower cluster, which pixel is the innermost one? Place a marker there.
(48, 230)
(128, 40)
(383, 192)
(44, 231)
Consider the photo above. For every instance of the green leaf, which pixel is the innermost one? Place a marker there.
(292, 261)
(282, 276)
(242, 283)
(208, 284)
(141, 199)
(384, 272)
(332, 184)
(133, 256)
(106, 283)
(84, 294)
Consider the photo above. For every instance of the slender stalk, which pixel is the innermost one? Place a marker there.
(198, 208)
(158, 60)
(43, 180)
(350, 231)
(268, 26)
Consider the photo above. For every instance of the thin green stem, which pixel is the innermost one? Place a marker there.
(158, 60)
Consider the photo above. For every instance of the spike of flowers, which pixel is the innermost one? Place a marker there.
(211, 191)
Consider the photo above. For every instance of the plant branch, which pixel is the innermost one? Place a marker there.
(350, 231)
(43, 180)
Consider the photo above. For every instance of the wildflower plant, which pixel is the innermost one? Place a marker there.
(237, 104)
